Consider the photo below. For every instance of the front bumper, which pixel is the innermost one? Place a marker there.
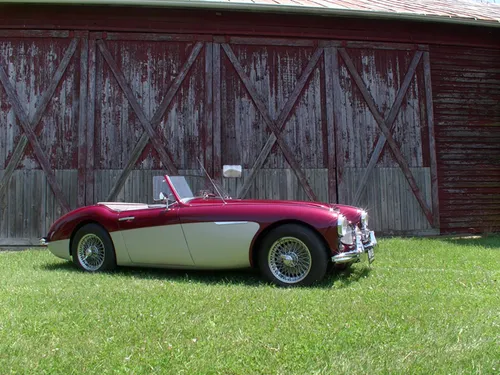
(365, 243)
(44, 241)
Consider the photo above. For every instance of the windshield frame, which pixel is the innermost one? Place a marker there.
(220, 192)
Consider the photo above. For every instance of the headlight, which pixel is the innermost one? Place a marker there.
(342, 225)
(364, 219)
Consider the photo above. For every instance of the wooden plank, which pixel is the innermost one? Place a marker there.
(389, 122)
(150, 132)
(216, 120)
(41, 106)
(280, 122)
(164, 157)
(270, 41)
(375, 45)
(90, 125)
(392, 144)
(34, 34)
(432, 140)
(4, 217)
(208, 142)
(329, 56)
(156, 37)
(82, 140)
(337, 110)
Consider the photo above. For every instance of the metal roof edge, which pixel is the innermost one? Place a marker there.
(268, 8)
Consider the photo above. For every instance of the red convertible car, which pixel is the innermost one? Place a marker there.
(196, 225)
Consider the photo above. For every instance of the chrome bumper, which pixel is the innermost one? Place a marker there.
(354, 256)
(43, 241)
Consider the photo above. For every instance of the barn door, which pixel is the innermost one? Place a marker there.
(42, 74)
(150, 111)
(269, 113)
(384, 136)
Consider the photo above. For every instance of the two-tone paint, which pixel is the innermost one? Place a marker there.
(203, 233)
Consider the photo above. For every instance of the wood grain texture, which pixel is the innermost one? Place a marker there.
(216, 124)
(269, 122)
(387, 133)
(389, 121)
(27, 126)
(90, 119)
(331, 67)
(41, 107)
(280, 122)
(153, 124)
(432, 141)
(82, 122)
(165, 158)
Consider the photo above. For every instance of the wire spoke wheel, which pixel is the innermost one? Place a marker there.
(289, 260)
(91, 252)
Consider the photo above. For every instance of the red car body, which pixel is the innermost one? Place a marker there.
(162, 228)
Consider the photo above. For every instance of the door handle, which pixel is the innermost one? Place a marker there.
(128, 218)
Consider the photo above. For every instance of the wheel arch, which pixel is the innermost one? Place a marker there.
(82, 224)
(255, 248)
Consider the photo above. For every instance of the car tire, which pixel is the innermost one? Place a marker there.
(293, 255)
(92, 249)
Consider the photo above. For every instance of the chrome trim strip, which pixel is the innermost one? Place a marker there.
(126, 218)
(230, 222)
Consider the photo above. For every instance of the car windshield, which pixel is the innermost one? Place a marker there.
(188, 187)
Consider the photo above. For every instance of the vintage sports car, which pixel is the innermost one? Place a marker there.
(291, 242)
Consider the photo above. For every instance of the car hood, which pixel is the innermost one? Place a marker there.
(352, 213)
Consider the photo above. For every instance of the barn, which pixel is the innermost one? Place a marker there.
(389, 105)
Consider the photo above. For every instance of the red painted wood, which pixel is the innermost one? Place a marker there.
(51, 17)
(467, 137)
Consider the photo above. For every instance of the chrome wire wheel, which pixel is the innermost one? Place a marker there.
(289, 260)
(91, 252)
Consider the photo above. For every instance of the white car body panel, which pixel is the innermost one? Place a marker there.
(121, 252)
(60, 249)
(160, 245)
(220, 244)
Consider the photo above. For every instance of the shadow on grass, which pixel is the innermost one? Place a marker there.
(248, 277)
(490, 241)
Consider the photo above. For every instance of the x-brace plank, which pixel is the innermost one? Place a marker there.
(164, 157)
(280, 122)
(155, 121)
(30, 127)
(269, 122)
(389, 122)
(387, 133)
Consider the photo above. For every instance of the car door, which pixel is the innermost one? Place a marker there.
(215, 239)
(154, 236)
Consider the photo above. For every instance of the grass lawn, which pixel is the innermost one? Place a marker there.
(426, 306)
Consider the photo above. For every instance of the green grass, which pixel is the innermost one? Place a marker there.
(426, 306)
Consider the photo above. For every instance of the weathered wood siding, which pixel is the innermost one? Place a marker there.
(384, 88)
(39, 128)
(266, 84)
(147, 87)
(466, 88)
(92, 116)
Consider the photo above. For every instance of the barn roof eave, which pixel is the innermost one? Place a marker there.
(272, 8)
